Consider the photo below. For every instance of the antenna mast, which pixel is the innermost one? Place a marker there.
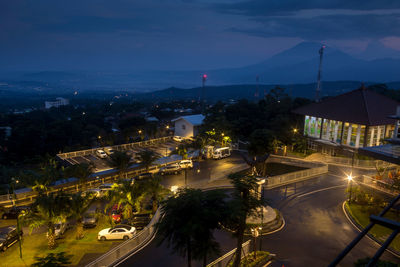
(321, 53)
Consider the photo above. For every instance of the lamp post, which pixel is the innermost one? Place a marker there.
(350, 180)
(13, 182)
(254, 233)
(222, 139)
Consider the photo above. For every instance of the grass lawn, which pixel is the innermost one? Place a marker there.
(274, 168)
(36, 245)
(361, 216)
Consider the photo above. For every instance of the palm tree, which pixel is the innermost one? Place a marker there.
(243, 204)
(49, 210)
(155, 191)
(78, 204)
(182, 151)
(81, 171)
(120, 161)
(187, 223)
(128, 194)
(146, 157)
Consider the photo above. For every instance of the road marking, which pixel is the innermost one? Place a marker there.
(320, 190)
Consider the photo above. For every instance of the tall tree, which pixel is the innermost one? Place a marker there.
(146, 157)
(78, 204)
(260, 147)
(243, 204)
(187, 223)
(121, 161)
(128, 194)
(48, 210)
(155, 191)
(81, 171)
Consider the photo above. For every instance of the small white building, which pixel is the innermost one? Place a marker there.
(187, 126)
(60, 101)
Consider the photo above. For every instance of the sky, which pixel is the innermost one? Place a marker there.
(183, 34)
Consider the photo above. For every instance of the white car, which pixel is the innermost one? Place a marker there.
(178, 138)
(117, 232)
(101, 154)
(186, 164)
(109, 150)
(94, 192)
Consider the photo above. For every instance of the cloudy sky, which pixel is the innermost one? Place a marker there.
(182, 34)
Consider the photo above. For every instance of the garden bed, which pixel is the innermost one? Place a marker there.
(360, 214)
(262, 257)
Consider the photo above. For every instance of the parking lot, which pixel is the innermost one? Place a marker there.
(162, 149)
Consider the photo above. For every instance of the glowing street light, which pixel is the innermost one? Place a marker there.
(167, 127)
(295, 130)
(350, 181)
(140, 131)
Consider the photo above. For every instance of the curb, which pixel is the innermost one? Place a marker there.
(369, 236)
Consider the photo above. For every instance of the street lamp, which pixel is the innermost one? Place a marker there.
(16, 181)
(295, 130)
(350, 180)
(254, 233)
(222, 139)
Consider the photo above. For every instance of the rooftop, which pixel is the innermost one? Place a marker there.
(361, 106)
(195, 120)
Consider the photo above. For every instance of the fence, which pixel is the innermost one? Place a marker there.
(288, 178)
(65, 156)
(128, 247)
(225, 259)
(357, 162)
(379, 185)
(28, 197)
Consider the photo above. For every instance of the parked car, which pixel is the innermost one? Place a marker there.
(170, 169)
(117, 232)
(59, 229)
(101, 154)
(186, 164)
(109, 150)
(89, 219)
(8, 237)
(93, 193)
(145, 175)
(116, 213)
(104, 188)
(13, 212)
(178, 138)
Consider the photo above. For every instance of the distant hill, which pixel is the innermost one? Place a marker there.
(226, 92)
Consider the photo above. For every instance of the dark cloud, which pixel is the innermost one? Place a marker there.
(327, 27)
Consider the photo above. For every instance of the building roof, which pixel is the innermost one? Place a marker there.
(195, 120)
(361, 106)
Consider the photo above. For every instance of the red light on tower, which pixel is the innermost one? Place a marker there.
(204, 76)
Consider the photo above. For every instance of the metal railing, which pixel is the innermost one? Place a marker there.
(128, 247)
(29, 197)
(225, 259)
(67, 155)
(356, 163)
(291, 177)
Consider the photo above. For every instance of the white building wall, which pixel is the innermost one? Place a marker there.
(183, 128)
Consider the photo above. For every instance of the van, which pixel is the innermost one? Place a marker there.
(222, 152)
(186, 164)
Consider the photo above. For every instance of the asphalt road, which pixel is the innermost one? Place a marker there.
(316, 229)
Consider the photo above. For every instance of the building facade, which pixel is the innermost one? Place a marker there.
(187, 126)
(353, 120)
(60, 101)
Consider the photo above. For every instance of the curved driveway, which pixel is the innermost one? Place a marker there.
(316, 229)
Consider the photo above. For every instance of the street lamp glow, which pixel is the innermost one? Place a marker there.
(349, 177)
(167, 126)
(295, 130)
(140, 131)
(222, 134)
